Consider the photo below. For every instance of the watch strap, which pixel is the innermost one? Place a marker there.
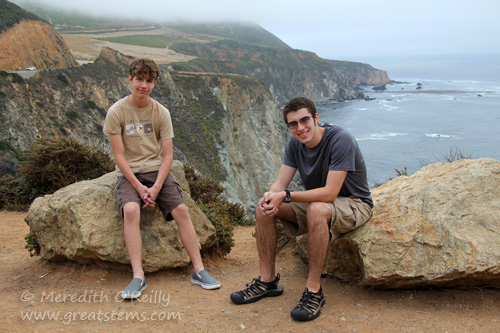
(288, 197)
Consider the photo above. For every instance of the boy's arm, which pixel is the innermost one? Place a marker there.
(166, 165)
(328, 193)
(121, 162)
(270, 201)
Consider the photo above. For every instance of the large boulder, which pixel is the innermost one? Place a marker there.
(82, 222)
(437, 228)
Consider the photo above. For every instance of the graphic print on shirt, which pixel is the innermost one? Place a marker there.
(139, 128)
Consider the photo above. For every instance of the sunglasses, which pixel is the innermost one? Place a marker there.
(303, 121)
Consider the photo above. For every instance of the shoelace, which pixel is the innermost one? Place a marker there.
(253, 288)
(309, 302)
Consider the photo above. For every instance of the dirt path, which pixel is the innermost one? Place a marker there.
(84, 297)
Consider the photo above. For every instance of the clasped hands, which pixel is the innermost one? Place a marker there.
(271, 201)
(148, 196)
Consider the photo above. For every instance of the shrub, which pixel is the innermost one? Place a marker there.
(456, 155)
(50, 165)
(203, 189)
(224, 241)
(207, 193)
(55, 163)
(32, 245)
(73, 115)
(62, 78)
(15, 194)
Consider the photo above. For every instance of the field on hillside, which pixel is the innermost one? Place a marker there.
(87, 46)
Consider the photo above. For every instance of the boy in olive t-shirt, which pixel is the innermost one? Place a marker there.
(140, 131)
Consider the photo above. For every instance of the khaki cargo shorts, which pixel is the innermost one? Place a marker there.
(348, 213)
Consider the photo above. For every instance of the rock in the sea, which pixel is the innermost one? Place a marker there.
(439, 227)
(82, 222)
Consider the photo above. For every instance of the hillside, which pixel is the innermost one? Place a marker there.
(21, 40)
(214, 117)
(12, 14)
(222, 83)
(226, 47)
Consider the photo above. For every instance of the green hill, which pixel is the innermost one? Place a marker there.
(244, 33)
(10, 14)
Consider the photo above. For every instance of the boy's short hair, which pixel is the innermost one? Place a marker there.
(144, 67)
(298, 103)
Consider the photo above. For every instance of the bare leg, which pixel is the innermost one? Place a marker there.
(132, 235)
(188, 236)
(318, 217)
(265, 228)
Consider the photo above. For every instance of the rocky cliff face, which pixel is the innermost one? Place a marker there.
(33, 43)
(360, 74)
(227, 126)
(224, 105)
(284, 71)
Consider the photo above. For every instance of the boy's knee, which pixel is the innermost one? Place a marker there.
(318, 213)
(319, 209)
(180, 214)
(130, 210)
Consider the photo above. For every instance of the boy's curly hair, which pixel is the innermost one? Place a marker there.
(145, 67)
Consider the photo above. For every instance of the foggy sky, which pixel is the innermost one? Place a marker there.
(334, 29)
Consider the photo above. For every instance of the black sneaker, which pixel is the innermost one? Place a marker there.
(309, 306)
(256, 290)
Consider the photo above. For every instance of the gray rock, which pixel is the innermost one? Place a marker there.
(437, 228)
(82, 222)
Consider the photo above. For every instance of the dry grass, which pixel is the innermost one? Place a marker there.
(86, 47)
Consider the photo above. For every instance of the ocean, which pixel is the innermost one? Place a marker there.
(444, 106)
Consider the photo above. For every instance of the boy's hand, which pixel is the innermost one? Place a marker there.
(269, 203)
(146, 197)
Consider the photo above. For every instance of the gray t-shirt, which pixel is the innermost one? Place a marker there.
(337, 150)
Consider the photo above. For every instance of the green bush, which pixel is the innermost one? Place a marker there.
(207, 193)
(32, 245)
(203, 189)
(224, 240)
(73, 115)
(62, 78)
(15, 194)
(52, 164)
(56, 163)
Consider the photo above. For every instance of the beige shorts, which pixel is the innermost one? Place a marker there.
(347, 214)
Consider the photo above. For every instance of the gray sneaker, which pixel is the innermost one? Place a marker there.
(205, 280)
(134, 289)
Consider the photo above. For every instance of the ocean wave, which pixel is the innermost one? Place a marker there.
(381, 136)
(448, 98)
(437, 135)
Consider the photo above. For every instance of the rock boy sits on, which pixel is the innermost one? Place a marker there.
(337, 199)
(140, 131)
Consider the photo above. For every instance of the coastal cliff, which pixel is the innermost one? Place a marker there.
(219, 120)
(26, 41)
(284, 71)
(224, 102)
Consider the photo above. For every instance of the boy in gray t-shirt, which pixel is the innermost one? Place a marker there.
(337, 199)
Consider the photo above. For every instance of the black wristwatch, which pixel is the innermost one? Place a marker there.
(288, 197)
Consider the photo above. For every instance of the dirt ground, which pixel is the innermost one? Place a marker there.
(39, 296)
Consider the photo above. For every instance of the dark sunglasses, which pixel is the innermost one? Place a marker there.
(303, 121)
